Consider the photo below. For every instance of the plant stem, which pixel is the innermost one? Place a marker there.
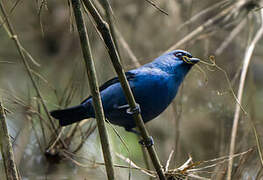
(110, 20)
(6, 149)
(102, 26)
(246, 62)
(11, 32)
(91, 72)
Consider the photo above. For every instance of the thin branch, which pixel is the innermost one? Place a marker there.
(134, 165)
(71, 156)
(23, 137)
(202, 13)
(210, 22)
(168, 161)
(157, 7)
(110, 21)
(126, 46)
(102, 26)
(246, 62)
(21, 50)
(94, 88)
(231, 36)
(6, 149)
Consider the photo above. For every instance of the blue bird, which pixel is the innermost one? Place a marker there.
(154, 86)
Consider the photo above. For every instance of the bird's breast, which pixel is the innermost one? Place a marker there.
(154, 94)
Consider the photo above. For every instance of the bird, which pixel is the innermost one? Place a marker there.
(154, 86)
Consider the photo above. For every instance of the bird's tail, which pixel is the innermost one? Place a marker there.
(70, 115)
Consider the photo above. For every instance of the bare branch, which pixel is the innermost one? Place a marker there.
(246, 62)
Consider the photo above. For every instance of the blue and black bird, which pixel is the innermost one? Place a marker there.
(154, 86)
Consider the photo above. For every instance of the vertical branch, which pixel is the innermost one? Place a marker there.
(114, 32)
(102, 26)
(246, 62)
(91, 72)
(109, 16)
(6, 149)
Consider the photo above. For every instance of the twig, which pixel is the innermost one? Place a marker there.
(110, 20)
(134, 165)
(231, 36)
(21, 50)
(6, 149)
(157, 7)
(246, 63)
(91, 72)
(85, 135)
(168, 161)
(202, 13)
(224, 13)
(58, 137)
(23, 137)
(70, 156)
(104, 30)
(122, 141)
(126, 46)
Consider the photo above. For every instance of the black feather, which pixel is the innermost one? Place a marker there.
(70, 115)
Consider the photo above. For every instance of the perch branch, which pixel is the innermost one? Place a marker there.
(102, 26)
(91, 72)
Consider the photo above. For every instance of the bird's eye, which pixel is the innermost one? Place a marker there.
(178, 54)
(182, 55)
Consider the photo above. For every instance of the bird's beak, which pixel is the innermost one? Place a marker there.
(194, 60)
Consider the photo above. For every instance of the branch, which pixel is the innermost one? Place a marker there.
(11, 32)
(246, 63)
(102, 26)
(94, 88)
(110, 20)
(116, 34)
(6, 149)
(157, 7)
(209, 23)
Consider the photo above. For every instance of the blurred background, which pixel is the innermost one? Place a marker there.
(199, 121)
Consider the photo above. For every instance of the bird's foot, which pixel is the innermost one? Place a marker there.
(135, 110)
(147, 142)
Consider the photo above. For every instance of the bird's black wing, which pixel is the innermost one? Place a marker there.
(129, 76)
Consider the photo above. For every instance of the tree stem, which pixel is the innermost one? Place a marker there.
(91, 72)
(103, 28)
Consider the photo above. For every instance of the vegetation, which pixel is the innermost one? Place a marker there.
(211, 131)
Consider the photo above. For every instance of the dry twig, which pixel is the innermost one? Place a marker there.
(246, 62)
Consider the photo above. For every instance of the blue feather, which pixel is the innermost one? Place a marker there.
(154, 86)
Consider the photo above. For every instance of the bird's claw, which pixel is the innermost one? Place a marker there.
(135, 110)
(147, 142)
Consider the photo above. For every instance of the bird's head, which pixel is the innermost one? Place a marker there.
(183, 57)
(176, 62)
